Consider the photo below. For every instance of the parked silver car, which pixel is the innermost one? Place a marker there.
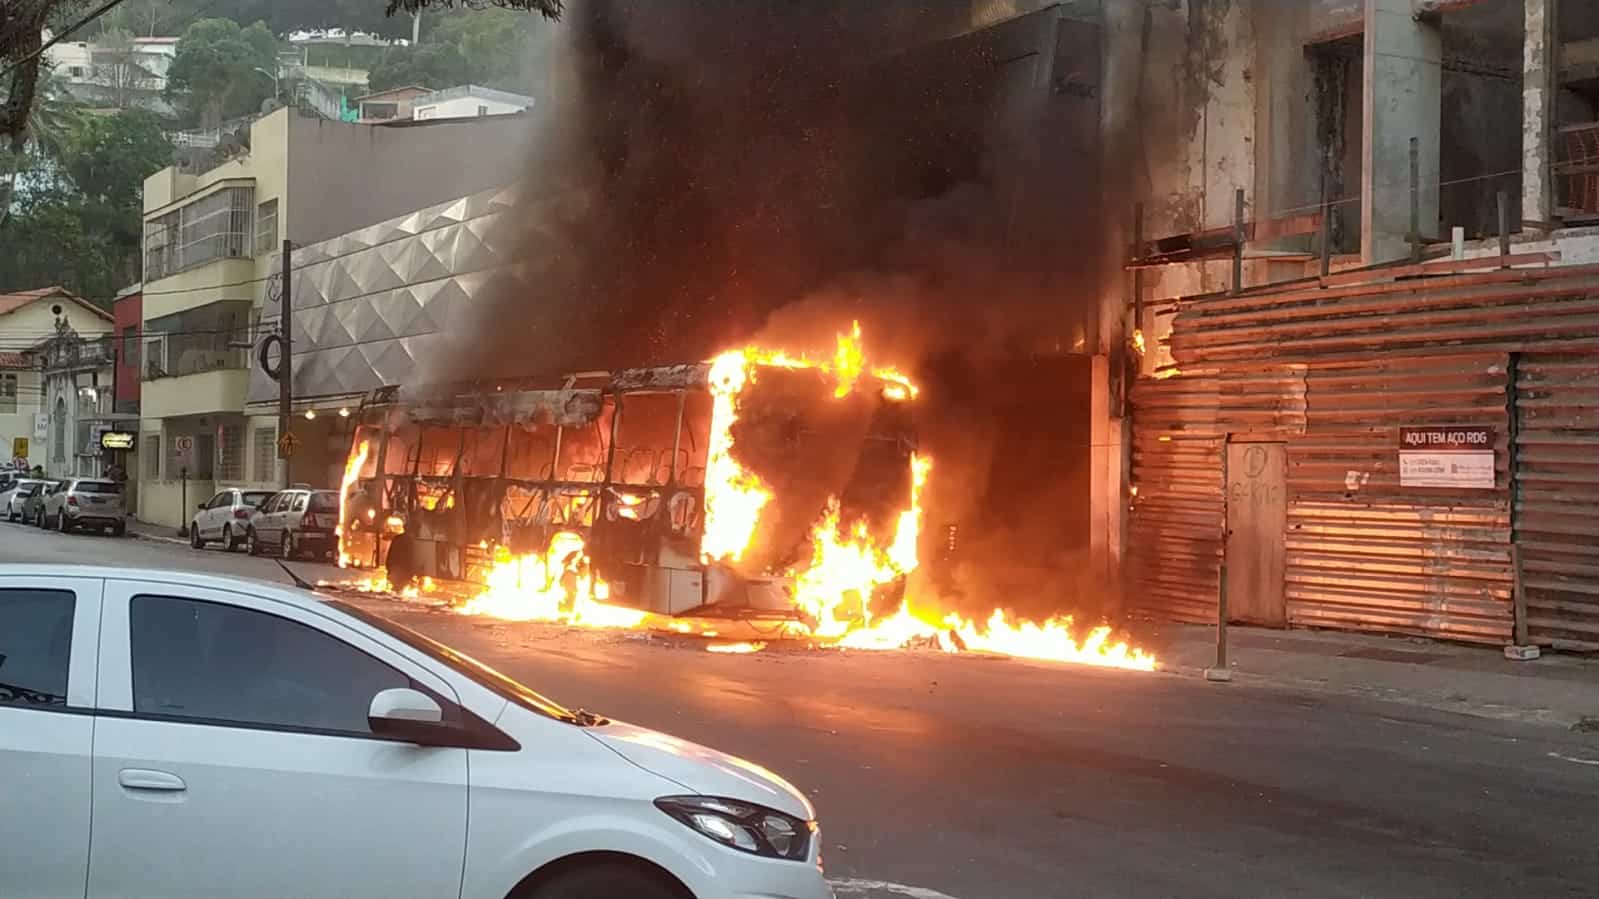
(226, 518)
(14, 495)
(85, 503)
(295, 521)
(32, 505)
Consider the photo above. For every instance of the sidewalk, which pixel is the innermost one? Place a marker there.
(154, 532)
(1559, 689)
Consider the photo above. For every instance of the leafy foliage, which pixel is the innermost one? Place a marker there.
(215, 70)
(83, 229)
(483, 48)
(550, 9)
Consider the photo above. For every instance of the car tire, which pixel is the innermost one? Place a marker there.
(194, 536)
(251, 545)
(286, 545)
(119, 529)
(38, 519)
(62, 524)
(607, 881)
(228, 543)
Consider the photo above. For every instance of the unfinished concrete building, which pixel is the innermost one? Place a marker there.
(1364, 291)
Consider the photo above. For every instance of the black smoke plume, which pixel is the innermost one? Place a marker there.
(709, 171)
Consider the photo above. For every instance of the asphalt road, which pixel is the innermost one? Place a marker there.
(980, 778)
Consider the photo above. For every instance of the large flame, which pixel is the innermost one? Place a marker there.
(352, 471)
(832, 590)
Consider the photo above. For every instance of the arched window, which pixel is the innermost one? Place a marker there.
(58, 429)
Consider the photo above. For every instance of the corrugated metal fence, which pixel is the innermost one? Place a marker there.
(1557, 497)
(1365, 553)
(1334, 369)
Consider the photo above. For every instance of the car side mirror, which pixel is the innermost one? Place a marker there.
(410, 715)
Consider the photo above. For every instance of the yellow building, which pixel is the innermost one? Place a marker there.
(212, 243)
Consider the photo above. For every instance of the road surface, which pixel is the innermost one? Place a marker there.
(980, 778)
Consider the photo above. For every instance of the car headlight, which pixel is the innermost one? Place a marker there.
(742, 825)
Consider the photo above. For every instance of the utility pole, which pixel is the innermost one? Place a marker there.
(416, 27)
(286, 363)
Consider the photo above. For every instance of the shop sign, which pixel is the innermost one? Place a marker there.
(1447, 456)
(117, 440)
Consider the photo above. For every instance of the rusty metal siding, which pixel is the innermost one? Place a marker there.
(1174, 529)
(1557, 497)
(1545, 309)
(1365, 553)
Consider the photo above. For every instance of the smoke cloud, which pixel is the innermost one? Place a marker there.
(707, 172)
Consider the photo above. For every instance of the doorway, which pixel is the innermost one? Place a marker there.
(1257, 518)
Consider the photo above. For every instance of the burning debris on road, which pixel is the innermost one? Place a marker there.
(622, 527)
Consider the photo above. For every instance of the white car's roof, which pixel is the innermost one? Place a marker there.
(281, 590)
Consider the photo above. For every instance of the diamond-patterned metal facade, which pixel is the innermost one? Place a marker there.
(370, 304)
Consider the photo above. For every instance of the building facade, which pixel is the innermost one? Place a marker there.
(212, 246)
(468, 101)
(28, 321)
(1365, 390)
(79, 403)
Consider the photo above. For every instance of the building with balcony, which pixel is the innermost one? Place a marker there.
(212, 248)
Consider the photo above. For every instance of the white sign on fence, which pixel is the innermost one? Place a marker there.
(1460, 457)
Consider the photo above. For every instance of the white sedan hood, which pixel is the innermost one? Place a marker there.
(702, 769)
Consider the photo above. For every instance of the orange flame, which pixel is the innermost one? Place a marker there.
(352, 471)
(832, 591)
(735, 648)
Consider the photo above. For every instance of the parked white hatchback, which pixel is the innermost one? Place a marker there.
(223, 737)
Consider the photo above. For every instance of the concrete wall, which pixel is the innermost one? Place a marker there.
(346, 177)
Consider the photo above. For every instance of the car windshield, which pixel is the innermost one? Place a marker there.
(256, 500)
(324, 501)
(504, 686)
(95, 487)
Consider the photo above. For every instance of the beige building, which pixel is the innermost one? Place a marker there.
(212, 245)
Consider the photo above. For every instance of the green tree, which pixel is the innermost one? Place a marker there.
(51, 239)
(84, 228)
(483, 47)
(108, 157)
(218, 70)
(22, 20)
(38, 151)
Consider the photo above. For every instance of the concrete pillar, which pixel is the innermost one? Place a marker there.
(1402, 85)
(1539, 83)
(1106, 501)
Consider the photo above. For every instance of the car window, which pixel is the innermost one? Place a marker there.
(221, 663)
(217, 501)
(299, 503)
(35, 646)
(324, 501)
(95, 487)
(256, 499)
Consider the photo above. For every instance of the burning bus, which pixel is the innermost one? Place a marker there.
(605, 493)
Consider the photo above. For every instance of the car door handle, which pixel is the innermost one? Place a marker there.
(144, 779)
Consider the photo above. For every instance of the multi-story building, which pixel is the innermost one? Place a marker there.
(123, 74)
(27, 319)
(213, 245)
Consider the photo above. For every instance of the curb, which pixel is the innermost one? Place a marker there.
(156, 538)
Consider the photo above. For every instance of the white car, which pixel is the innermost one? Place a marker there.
(12, 495)
(223, 737)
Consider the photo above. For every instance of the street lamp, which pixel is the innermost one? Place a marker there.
(274, 77)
